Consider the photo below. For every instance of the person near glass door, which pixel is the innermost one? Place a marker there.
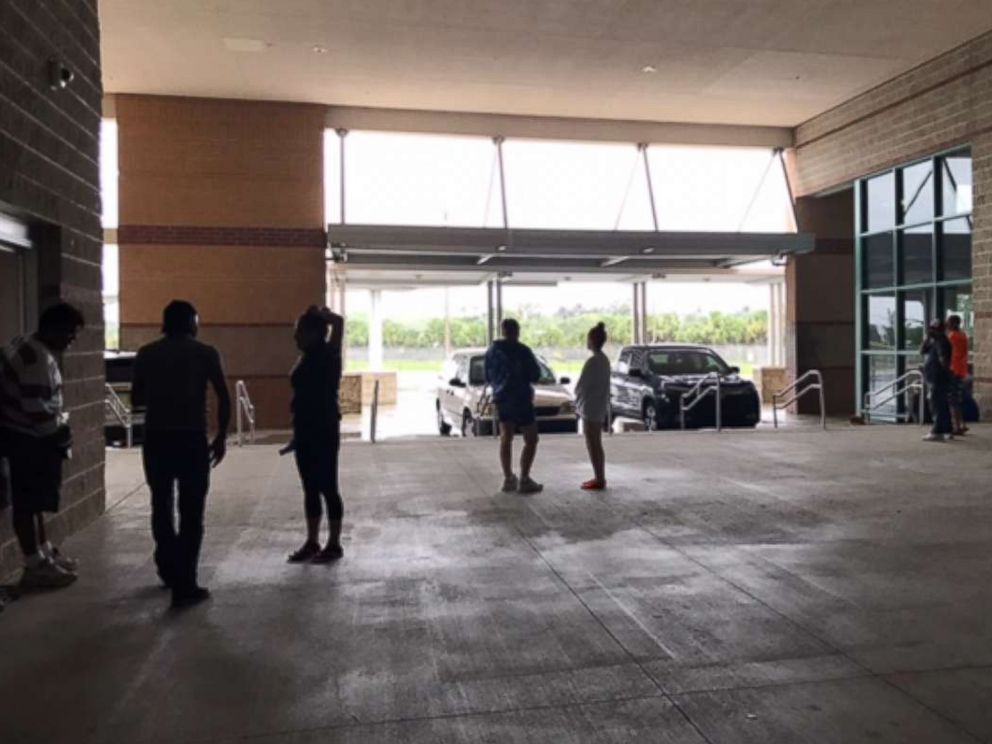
(959, 371)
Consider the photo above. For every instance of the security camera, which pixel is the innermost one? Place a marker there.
(59, 75)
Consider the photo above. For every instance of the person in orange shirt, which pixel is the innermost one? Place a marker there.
(959, 371)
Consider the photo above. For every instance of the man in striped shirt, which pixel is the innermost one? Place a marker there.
(35, 438)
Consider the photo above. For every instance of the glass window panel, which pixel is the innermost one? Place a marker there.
(880, 332)
(879, 203)
(878, 269)
(881, 370)
(109, 184)
(955, 248)
(916, 314)
(956, 184)
(332, 177)
(958, 301)
(420, 179)
(917, 193)
(575, 185)
(719, 189)
(917, 254)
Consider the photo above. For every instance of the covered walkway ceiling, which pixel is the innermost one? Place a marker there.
(387, 253)
(756, 62)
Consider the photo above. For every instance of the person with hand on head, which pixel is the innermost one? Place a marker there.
(316, 380)
(171, 376)
(511, 371)
(936, 351)
(35, 439)
(592, 402)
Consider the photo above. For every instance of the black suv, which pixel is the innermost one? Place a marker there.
(649, 381)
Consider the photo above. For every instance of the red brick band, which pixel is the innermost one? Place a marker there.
(303, 237)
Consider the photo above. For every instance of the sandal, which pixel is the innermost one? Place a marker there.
(329, 554)
(304, 554)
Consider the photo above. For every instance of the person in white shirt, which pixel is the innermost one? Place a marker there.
(592, 401)
(35, 438)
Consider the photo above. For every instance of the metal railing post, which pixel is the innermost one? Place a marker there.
(245, 411)
(697, 393)
(239, 425)
(798, 392)
(375, 411)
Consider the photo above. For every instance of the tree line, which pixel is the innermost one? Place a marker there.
(567, 328)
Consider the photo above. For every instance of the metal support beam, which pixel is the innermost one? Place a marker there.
(498, 141)
(643, 147)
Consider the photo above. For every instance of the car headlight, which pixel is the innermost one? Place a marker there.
(567, 408)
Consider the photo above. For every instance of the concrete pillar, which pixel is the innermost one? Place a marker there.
(635, 320)
(490, 314)
(375, 330)
(820, 301)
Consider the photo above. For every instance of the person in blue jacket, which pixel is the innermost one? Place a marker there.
(511, 371)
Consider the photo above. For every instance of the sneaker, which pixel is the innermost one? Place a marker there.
(304, 554)
(329, 554)
(593, 485)
(188, 597)
(933, 437)
(63, 561)
(529, 485)
(511, 484)
(46, 575)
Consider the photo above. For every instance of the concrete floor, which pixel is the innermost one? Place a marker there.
(746, 587)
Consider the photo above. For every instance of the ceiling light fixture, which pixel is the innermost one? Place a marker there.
(501, 248)
(318, 49)
(649, 69)
(647, 251)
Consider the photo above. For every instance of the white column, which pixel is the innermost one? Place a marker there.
(772, 328)
(375, 330)
(780, 333)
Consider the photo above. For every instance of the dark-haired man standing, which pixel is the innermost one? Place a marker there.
(35, 438)
(511, 371)
(171, 376)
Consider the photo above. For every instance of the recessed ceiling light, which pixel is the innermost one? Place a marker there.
(501, 248)
(647, 250)
(318, 49)
(648, 69)
(236, 44)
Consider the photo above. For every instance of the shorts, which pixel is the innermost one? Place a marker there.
(955, 390)
(35, 473)
(518, 414)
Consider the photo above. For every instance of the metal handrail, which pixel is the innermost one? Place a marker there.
(245, 411)
(798, 393)
(486, 407)
(119, 410)
(913, 381)
(374, 422)
(697, 393)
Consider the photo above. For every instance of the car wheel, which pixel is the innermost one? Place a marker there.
(443, 427)
(469, 425)
(650, 416)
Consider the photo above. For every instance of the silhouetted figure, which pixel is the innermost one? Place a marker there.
(959, 371)
(35, 438)
(592, 402)
(936, 350)
(171, 376)
(511, 371)
(316, 379)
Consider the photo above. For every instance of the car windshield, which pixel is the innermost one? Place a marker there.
(686, 362)
(477, 372)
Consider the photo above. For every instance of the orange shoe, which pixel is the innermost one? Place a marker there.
(594, 485)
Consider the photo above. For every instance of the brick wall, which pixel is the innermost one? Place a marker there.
(221, 203)
(49, 178)
(940, 105)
